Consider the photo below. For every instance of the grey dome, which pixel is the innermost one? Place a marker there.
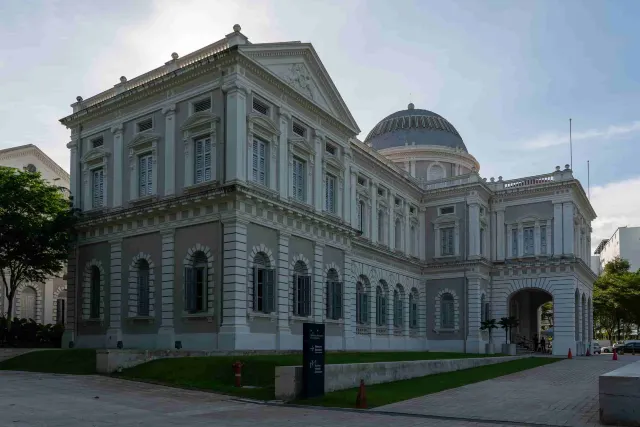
(414, 126)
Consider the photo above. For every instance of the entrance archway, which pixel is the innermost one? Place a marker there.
(526, 305)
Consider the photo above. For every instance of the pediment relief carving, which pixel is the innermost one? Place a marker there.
(301, 144)
(266, 124)
(143, 138)
(199, 119)
(95, 154)
(446, 218)
(332, 161)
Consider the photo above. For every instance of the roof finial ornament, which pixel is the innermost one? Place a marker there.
(411, 106)
(237, 28)
(175, 56)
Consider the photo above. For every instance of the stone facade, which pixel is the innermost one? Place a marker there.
(236, 175)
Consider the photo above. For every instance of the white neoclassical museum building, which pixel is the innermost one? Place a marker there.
(228, 200)
(43, 302)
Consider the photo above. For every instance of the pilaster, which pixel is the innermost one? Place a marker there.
(353, 202)
(69, 335)
(422, 237)
(118, 155)
(236, 153)
(349, 303)
(170, 149)
(474, 338)
(166, 338)
(234, 329)
(283, 330)
(557, 229)
(374, 212)
(536, 238)
(283, 156)
(474, 230)
(318, 282)
(347, 211)
(407, 231)
(568, 228)
(318, 179)
(500, 238)
(392, 221)
(114, 333)
(73, 146)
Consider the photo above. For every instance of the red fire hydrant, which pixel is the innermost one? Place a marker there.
(237, 370)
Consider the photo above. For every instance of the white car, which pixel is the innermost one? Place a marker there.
(595, 347)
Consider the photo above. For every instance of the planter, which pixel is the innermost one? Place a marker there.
(489, 349)
(509, 349)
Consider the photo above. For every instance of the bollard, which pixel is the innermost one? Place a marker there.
(237, 370)
(361, 398)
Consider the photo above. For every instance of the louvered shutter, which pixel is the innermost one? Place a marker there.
(142, 176)
(269, 291)
(307, 295)
(149, 175)
(190, 289)
(296, 295)
(294, 178)
(199, 161)
(262, 164)
(255, 160)
(365, 306)
(329, 302)
(337, 300)
(256, 305)
(208, 167)
(143, 293)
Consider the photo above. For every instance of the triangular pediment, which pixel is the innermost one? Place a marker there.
(298, 65)
(198, 119)
(144, 138)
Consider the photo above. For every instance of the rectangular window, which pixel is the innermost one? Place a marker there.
(145, 125)
(145, 175)
(447, 210)
(202, 105)
(334, 300)
(330, 149)
(361, 181)
(330, 193)
(298, 178)
(446, 241)
(203, 160)
(299, 130)
(447, 315)
(543, 239)
(514, 243)
(97, 142)
(260, 161)
(528, 248)
(61, 311)
(263, 289)
(97, 190)
(301, 295)
(260, 107)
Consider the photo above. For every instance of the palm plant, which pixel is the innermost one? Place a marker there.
(489, 325)
(508, 323)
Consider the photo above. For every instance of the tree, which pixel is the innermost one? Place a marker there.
(36, 230)
(547, 313)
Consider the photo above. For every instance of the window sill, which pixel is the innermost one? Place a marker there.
(334, 321)
(300, 318)
(332, 215)
(445, 257)
(259, 315)
(302, 205)
(141, 319)
(201, 185)
(199, 315)
(446, 330)
(144, 200)
(92, 321)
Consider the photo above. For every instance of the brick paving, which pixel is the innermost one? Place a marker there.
(560, 394)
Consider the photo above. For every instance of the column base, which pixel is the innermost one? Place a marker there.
(234, 337)
(114, 338)
(284, 338)
(166, 338)
(475, 346)
(68, 339)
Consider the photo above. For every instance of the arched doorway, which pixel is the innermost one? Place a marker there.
(28, 303)
(531, 307)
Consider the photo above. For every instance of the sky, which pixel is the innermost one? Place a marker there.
(507, 74)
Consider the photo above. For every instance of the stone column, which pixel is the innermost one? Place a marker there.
(73, 147)
(234, 332)
(374, 212)
(549, 242)
(235, 150)
(274, 164)
(353, 202)
(500, 238)
(170, 149)
(520, 240)
(536, 238)
(339, 194)
(474, 230)
(407, 231)
(557, 229)
(564, 318)
(347, 211)
(166, 337)
(318, 282)
(318, 179)
(474, 338)
(568, 228)
(422, 233)
(349, 304)
(283, 338)
(114, 333)
(392, 222)
(118, 172)
(412, 168)
(283, 156)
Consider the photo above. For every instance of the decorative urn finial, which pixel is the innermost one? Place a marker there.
(237, 28)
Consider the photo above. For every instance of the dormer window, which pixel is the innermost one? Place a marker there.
(330, 149)
(202, 105)
(299, 130)
(260, 107)
(144, 125)
(97, 142)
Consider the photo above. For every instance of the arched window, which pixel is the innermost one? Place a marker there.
(398, 233)
(143, 287)
(381, 234)
(447, 311)
(301, 290)
(381, 307)
(196, 278)
(263, 284)
(397, 309)
(483, 314)
(362, 305)
(334, 295)
(435, 172)
(413, 310)
(94, 300)
(28, 303)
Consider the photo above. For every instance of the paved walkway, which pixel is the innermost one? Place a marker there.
(30, 400)
(560, 394)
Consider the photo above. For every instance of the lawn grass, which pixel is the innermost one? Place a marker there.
(215, 373)
(387, 393)
(77, 361)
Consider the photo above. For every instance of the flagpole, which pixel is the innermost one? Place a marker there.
(570, 146)
(588, 181)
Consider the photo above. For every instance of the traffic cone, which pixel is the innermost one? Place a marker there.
(569, 356)
(615, 354)
(361, 399)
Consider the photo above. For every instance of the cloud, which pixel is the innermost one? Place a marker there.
(617, 205)
(553, 138)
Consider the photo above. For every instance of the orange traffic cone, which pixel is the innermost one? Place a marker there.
(569, 356)
(615, 354)
(361, 399)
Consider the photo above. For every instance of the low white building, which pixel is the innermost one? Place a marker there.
(42, 302)
(625, 244)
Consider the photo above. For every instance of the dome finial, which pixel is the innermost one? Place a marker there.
(411, 106)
